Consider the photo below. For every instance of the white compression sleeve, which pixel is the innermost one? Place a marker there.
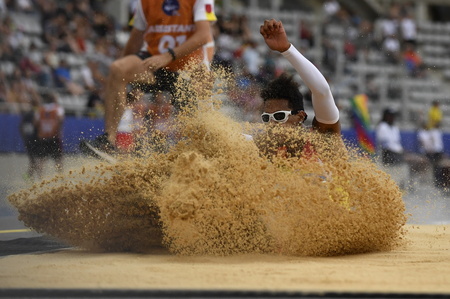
(325, 108)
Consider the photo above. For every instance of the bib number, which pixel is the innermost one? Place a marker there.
(169, 41)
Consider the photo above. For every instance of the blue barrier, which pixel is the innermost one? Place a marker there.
(75, 129)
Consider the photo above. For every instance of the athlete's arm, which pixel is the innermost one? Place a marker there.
(326, 112)
(134, 43)
(201, 36)
(203, 17)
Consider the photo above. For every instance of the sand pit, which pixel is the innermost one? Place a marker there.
(217, 211)
(421, 266)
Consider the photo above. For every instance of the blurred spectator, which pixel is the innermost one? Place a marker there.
(432, 145)
(372, 87)
(389, 147)
(80, 39)
(434, 114)
(408, 29)
(7, 53)
(236, 26)
(63, 79)
(413, 61)
(94, 104)
(50, 56)
(391, 49)
(392, 153)
(364, 41)
(101, 24)
(25, 5)
(88, 80)
(329, 55)
(131, 10)
(268, 70)
(344, 19)
(3, 9)
(390, 24)
(62, 74)
(231, 34)
(18, 94)
(244, 94)
(251, 58)
(306, 35)
(3, 89)
(225, 46)
(48, 10)
(350, 51)
(389, 140)
(330, 9)
(55, 27)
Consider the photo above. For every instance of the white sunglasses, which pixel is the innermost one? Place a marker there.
(278, 116)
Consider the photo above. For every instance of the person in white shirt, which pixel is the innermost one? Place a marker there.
(408, 29)
(389, 139)
(430, 141)
(404, 167)
(432, 146)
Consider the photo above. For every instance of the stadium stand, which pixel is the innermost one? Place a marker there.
(347, 44)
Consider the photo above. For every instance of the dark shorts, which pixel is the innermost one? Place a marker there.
(391, 158)
(31, 146)
(164, 80)
(49, 147)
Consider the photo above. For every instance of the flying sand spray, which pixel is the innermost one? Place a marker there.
(217, 193)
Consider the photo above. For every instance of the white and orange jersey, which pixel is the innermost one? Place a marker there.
(49, 117)
(169, 23)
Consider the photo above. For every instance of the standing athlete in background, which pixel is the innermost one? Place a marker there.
(173, 32)
(28, 131)
(49, 122)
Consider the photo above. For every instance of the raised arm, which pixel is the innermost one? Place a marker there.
(326, 112)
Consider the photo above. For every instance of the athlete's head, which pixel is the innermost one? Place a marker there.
(389, 116)
(283, 102)
(49, 97)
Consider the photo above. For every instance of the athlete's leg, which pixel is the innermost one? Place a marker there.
(122, 72)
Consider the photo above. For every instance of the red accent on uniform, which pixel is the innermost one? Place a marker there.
(125, 141)
(208, 8)
(308, 150)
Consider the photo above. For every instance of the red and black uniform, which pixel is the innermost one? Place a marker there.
(49, 122)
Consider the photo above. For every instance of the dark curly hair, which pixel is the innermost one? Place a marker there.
(284, 87)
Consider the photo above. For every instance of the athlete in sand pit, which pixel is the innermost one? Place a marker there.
(175, 33)
(217, 195)
(283, 102)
